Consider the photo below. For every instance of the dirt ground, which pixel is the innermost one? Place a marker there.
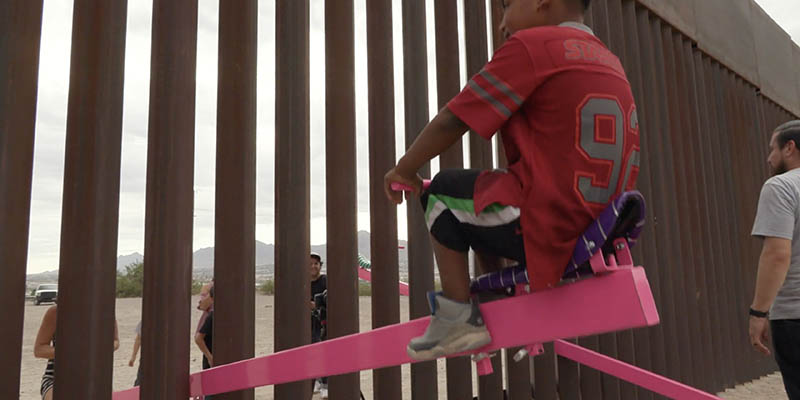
(129, 313)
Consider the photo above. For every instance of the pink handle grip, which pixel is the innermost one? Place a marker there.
(399, 187)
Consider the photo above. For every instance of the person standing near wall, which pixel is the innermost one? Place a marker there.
(777, 292)
(319, 284)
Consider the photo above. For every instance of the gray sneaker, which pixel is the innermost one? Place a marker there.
(454, 328)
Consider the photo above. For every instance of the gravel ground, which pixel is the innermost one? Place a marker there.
(769, 387)
(129, 312)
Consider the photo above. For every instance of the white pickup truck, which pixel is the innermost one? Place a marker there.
(45, 293)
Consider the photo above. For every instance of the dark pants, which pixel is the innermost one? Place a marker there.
(316, 336)
(138, 381)
(786, 341)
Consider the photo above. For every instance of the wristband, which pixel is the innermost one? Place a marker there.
(759, 314)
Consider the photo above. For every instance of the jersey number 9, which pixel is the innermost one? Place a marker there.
(605, 147)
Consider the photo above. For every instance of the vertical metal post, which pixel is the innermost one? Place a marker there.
(420, 253)
(170, 198)
(448, 74)
(340, 159)
(292, 180)
(383, 214)
(20, 38)
(90, 212)
(234, 219)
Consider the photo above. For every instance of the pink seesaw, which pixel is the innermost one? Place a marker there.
(614, 296)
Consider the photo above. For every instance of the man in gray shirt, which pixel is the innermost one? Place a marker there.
(777, 294)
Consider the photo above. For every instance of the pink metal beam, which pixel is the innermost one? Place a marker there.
(366, 275)
(630, 373)
(617, 301)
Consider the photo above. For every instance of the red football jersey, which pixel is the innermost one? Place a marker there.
(570, 132)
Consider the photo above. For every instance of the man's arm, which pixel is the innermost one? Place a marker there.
(773, 265)
(199, 339)
(444, 130)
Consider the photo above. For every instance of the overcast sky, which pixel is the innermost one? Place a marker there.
(52, 109)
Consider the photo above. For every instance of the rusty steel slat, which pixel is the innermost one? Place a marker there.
(480, 149)
(724, 115)
(750, 187)
(707, 186)
(340, 160)
(694, 284)
(459, 369)
(292, 185)
(685, 289)
(595, 385)
(20, 39)
(496, 10)
(420, 253)
(90, 211)
(569, 383)
(544, 366)
(645, 252)
(733, 120)
(670, 253)
(705, 265)
(518, 379)
(757, 142)
(623, 339)
(383, 214)
(650, 343)
(234, 219)
(589, 380)
(716, 119)
(448, 74)
(763, 135)
(169, 201)
(723, 295)
(746, 217)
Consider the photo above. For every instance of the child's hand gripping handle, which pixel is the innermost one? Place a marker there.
(399, 187)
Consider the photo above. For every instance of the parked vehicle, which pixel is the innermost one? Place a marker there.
(46, 293)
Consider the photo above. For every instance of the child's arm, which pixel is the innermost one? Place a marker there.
(116, 336)
(136, 344)
(444, 130)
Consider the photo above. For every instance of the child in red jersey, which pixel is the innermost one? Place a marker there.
(570, 133)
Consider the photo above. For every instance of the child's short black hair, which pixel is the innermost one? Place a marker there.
(211, 291)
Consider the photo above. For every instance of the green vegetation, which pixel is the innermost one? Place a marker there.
(130, 282)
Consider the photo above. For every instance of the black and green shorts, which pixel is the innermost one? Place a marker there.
(450, 215)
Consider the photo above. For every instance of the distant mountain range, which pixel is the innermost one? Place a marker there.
(203, 260)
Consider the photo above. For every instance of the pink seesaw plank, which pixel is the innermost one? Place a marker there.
(630, 373)
(617, 301)
(366, 275)
(603, 304)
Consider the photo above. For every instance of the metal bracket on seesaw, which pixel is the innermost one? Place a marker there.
(621, 259)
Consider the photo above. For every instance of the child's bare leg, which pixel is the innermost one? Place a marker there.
(453, 271)
(487, 263)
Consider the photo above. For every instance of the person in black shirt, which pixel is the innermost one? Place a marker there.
(205, 337)
(319, 284)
